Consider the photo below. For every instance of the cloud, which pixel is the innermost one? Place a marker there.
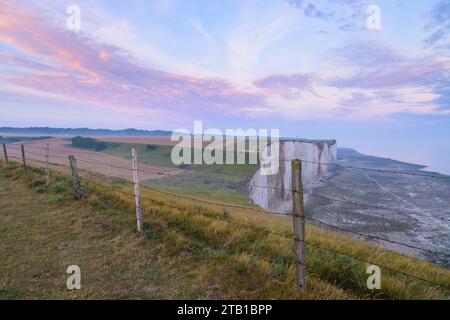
(379, 66)
(83, 68)
(311, 11)
(361, 79)
(259, 28)
(341, 15)
(438, 26)
(372, 54)
(23, 62)
(376, 80)
(288, 85)
(407, 75)
(199, 27)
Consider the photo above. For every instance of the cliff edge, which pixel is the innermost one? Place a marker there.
(271, 192)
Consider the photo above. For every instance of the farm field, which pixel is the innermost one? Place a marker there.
(184, 249)
(228, 183)
(412, 226)
(225, 155)
(412, 217)
(17, 138)
(161, 141)
(102, 163)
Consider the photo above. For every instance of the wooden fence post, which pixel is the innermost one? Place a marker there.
(76, 180)
(137, 190)
(22, 149)
(299, 223)
(5, 152)
(47, 169)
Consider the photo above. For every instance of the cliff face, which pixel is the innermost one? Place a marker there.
(274, 195)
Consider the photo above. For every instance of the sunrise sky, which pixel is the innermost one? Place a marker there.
(312, 69)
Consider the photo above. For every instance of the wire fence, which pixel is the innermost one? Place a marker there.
(329, 198)
(31, 156)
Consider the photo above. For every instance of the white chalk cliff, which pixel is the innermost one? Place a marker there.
(271, 192)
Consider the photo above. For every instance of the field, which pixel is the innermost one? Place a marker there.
(228, 183)
(102, 163)
(161, 141)
(14, 139)
(225, 183)
(410, 211)
(188, 249)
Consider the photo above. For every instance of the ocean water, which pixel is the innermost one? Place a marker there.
(434, 158)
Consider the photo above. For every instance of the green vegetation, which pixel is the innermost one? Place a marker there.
(84, 132)
(152, 147)
(91, 144)
(189, 249)
(227, 183)
(19, 139)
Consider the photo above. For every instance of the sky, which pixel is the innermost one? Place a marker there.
(374, 75)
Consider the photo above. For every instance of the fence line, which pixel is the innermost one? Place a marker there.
(109, 164)
(313, 245)
(368, 236)
(340, 166)
(272, 232)
(373, 169)
(255, 186)
(373, 206)
(347, 201)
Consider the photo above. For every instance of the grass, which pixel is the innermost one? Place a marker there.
(20, 139)
(226, 183)
(189, 249)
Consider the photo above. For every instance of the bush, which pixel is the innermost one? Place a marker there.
(152, 147)
(89, 143)
(36, 182)
(55, 199)
(61, 186)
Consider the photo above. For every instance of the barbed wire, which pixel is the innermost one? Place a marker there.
(310, 219)
(286, 190)
(242, 225)
(348, 201)
(370, 169)
(373, 237)
(373, 206)
(208, 201)
(96, 162)
(259, 229)
(290, 237)
(340, 166)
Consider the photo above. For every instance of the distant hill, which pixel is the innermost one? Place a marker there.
(83, 132)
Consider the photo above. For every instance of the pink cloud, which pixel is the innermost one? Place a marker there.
(409, 73)
(288, 84)
(55, 60)
(378, 80)
(82, 68)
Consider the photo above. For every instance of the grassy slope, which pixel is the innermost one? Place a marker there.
(42, 234)
(187, 251)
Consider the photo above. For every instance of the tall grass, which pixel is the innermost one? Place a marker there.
(237, 258)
